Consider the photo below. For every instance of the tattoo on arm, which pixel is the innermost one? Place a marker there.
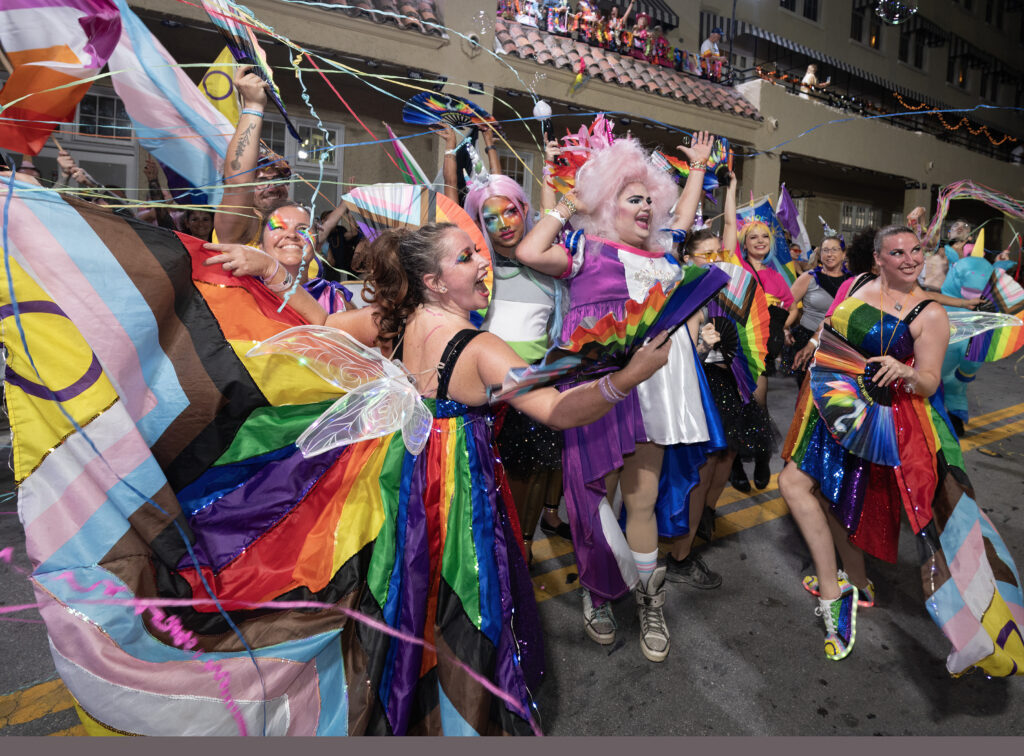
(243, 141)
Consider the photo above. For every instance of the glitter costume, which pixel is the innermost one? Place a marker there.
(521, 308)
(958, 544)
(672, 408)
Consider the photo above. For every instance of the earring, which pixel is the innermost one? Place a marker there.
(442, 289)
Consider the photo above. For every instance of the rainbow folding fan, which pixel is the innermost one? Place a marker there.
(744, 304)
(429, 108)
(601, 345)
(236, 29)
(721, 156)
(857, 412)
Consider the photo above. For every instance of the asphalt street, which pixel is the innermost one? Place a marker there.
(746, 658)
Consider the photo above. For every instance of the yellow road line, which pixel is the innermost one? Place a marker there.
(995, 434)
(987, 419)
(554, 583)
(550, 548)
(35, 702)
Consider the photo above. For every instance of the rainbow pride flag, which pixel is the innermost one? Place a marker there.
(156, 460)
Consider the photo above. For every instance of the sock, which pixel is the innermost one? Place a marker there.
(645, 564)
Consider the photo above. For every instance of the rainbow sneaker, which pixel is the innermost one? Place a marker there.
(840, 617)
(865, 595)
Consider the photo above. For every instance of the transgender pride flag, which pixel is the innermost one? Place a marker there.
(172, 119)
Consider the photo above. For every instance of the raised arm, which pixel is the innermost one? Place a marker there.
(697, 156)
(449, 169)
(729, 235)
(539, 249)
(547, 192)
(235, 221)
(493, 159)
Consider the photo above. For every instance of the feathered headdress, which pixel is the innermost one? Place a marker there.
(576, 150)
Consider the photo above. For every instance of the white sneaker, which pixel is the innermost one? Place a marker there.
(599, 622)
(654, 638)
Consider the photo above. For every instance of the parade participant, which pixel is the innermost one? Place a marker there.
(425, 284)
(851, 502)
(198, 223)
(255, 186)
(521, 311)
(755, 243)
(745, 430)
(621, 200)
(815, 290)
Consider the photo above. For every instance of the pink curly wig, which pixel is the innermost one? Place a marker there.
(600, 181)
(497, 186)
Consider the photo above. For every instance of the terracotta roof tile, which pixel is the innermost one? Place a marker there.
(418, 15)
(562, 52)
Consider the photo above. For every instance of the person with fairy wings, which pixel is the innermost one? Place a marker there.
(878, 361)
(652, 445)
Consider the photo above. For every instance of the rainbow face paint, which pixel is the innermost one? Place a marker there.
(502, 221)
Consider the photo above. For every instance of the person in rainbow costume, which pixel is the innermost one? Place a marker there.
(655, 441)
(870, 440)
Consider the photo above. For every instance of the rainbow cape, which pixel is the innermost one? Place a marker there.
(156, 460)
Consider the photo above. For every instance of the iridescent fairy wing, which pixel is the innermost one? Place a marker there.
(966, 324)
(332, 354)
(375, 409)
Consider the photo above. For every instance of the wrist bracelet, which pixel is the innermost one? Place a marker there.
(611, 394)
(252, 112)
(569, 205)
(699, 165)
(814, 341)
(489, 147)
(286, 284)
(267, 279)
(561, 218)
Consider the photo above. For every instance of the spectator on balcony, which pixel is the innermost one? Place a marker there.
(641, 42)
(660, 49)
(528, 12)
(711, 57)
(810, 81)
(617, 34)
(585, 24)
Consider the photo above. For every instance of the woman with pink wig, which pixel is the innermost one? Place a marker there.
(621, 204)
(521, 312)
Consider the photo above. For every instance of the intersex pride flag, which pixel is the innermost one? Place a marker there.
(55, 47)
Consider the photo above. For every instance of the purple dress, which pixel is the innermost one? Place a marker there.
(672, 408)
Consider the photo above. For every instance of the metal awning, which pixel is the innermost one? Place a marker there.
(660, 13)
(710, 20)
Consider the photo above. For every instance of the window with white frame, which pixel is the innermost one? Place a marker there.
(518, 168)
(854, 218)
(103, 115)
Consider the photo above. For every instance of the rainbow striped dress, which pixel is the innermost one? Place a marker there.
(971, 585)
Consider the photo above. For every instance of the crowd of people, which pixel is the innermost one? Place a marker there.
(639, 453)
(611, 30)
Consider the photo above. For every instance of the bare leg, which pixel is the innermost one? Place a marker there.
(640, 475)
(851, 557)
(722, 466)
(799, 491)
